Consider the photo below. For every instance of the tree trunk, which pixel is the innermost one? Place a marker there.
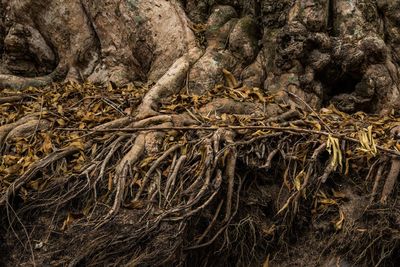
(341, 52)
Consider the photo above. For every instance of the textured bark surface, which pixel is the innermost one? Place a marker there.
(341, 52)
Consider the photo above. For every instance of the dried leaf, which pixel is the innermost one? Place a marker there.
(230, 79)
(339, 223)
(298, 180)
(333, 147)
(47, 145)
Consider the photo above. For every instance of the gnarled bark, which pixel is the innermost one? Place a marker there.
(337, 51)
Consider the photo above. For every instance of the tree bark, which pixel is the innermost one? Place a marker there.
(337, 51)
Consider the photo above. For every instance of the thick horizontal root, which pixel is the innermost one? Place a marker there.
(12, 99)
(132, 122)
(118, 123)
(224, 105)
(7, 128)
(16, 82)
(29, 128)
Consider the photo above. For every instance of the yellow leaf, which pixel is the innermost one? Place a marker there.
(338, 194)
(97, 107)
(266, 262)
(339, 223)
(110, 87)
(34, 185)
(60, 109)
(260, 96)
(333, 147)
(61, 122)
(315, 124)
(47, 145)
(10, 159)
(78, 144)
(195, 99)
(327, 201)
(367, 141)
(398, 146)
(71, 217)
(230, 79)
(298, 179)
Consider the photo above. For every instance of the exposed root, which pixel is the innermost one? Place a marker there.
(12, 99)
(270, 157)
(114, 147)
(230, 174)
(174, 181)
(28, 128)
(327, 172)
(154, 166)
(170, 184)
(35, 168)
(390, 180)
(17, 82)
(118, 123)
(286, 116)
(212, 223)
(378, 178)
(7, 128)
(121, 172)
(223, 105)
(318, 152)
(168, 84)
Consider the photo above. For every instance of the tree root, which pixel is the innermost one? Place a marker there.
(170, 184)
(171, 170)
(230, 174)
(327, 172)
(28, 128)
(34, 169)
(377, 180)
(12, 99)
(122, 171)
(7, 128)
(19, 83)
(153, 167)
(270, 157)
(390, 180)
(16, 82)
(168, 84)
